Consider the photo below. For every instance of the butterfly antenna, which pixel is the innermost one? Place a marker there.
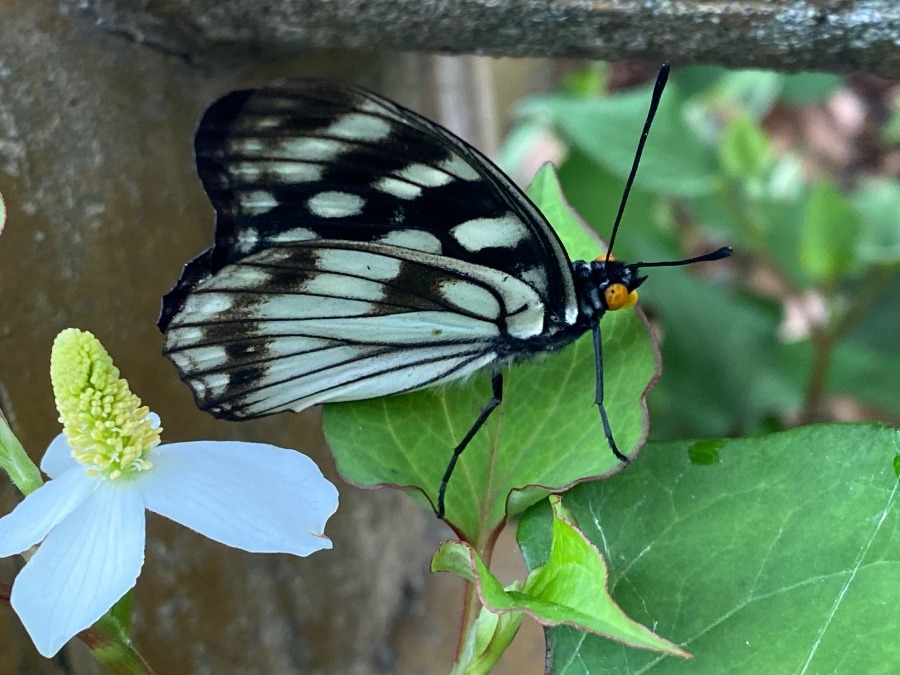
(661, 80)
(718, 254)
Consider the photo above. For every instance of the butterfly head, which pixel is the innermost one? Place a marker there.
(605, 284)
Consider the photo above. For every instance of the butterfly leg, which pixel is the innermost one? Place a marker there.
(497, 385)
(598, 397)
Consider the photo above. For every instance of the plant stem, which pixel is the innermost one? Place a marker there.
(113, 653)
(472, 603)
(818, 373)
(825, 340)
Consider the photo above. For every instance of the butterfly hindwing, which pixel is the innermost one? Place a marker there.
(299, 324)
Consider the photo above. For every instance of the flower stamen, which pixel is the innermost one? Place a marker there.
(106, 426)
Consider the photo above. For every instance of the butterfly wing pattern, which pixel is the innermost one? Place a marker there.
(361, 250)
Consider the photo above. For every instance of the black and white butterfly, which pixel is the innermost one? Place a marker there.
(362, 250)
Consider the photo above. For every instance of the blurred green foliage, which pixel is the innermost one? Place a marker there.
(805, 241)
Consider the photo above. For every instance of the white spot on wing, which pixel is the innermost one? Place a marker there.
(536, 277)
(370, 106)
(424, 175)
(243, 277)
(459, 168)
(397, 188)
(418, 240)
(359, 263)
(315, 149)
(326, 283)
(308, 148)
(293, 234)
(212, 384)
(289, 172)
(206, 357)
(257, 201)
(471, 298)
(201, 306)
(334, 204)
(246, 241)
(478, 233)
(312, 307)
(268, 122)
(359, 127)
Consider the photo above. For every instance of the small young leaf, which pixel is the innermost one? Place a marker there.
(570, 589)
(827, 248)
(745, 151)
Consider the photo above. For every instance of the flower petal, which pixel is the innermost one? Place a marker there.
(43, 510)
(84, 566)
(252, 496)
(58, 457)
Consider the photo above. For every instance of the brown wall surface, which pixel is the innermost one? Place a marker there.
(104, 209)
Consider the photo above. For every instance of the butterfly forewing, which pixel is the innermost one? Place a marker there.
(309, 160)
(360, 251)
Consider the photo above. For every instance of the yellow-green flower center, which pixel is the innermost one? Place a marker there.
(105, 424)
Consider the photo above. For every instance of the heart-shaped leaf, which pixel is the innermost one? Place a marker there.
(782, 555)
(545, 436)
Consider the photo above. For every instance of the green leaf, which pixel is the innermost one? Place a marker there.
(782, 557)
(827, 248)
(595, 193)
(878, 204)
(16, 462)
(608, 129)
(712, 385)
(570, 589)
(752, 91)
(588, 81)
(697, 80)
(545, 436)
(745, 151)
(869, 375)
(808, 88)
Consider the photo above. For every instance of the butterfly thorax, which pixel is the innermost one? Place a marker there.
(603, 285)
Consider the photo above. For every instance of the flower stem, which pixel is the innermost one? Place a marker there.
(16, 462)
(114, 652)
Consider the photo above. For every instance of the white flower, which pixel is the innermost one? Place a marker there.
(107, 470)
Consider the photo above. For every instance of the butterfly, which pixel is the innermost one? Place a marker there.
(362, 250)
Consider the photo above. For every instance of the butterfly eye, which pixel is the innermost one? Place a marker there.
(618, 296)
